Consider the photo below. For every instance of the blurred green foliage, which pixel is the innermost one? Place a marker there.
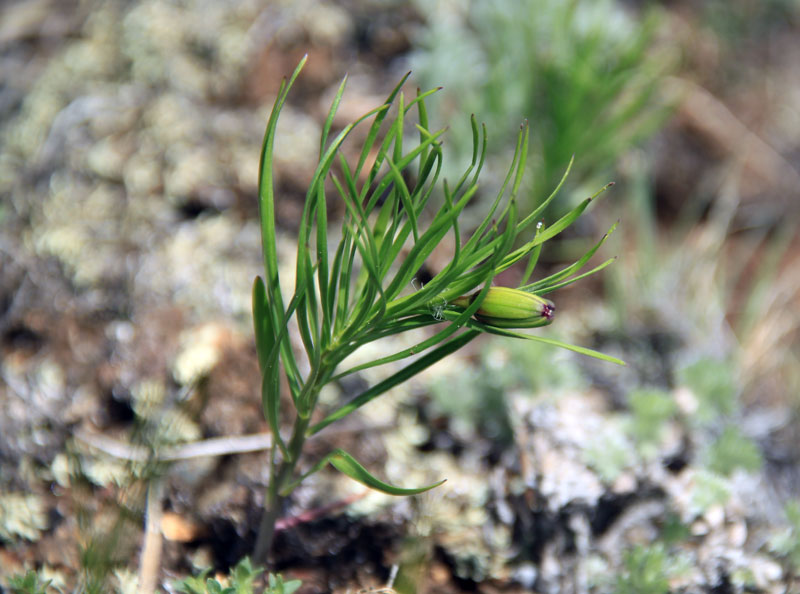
(650, 410)
(584, 73)
(646, 571)
(733, 450)
(786, 543)
(30, 583)
(649, 569)
(709, 490)
(240, 580)
(504, 366)
(610, 454)
(712, 382)
(738, 20)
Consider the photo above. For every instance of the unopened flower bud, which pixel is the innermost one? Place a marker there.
(504, 307)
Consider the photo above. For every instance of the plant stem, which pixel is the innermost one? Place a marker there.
(266, 529)
(279, 476)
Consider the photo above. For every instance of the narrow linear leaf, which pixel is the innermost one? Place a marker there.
(346, 464)
(543, 340)
(572, 269)
(540, 209)
(262, 323)
(331, 114)
(550, 288)
(373, 131)
(533, 258)
(396, 379)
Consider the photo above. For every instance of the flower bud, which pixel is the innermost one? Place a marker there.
(504, 307)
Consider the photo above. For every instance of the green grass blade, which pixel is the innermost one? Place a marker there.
(266, 201)
(377, 191)
(475, 144)
(405, 324)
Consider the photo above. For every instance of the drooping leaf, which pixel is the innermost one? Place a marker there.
(346, 464)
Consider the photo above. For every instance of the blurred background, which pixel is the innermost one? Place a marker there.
(130, 134)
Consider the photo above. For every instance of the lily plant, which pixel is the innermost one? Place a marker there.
(359, 286)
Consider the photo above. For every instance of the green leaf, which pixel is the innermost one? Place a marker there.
(346, 464)
(326, 128)
(550, 231)
(411, 370)
(646, 571)
(551, 280)
(270, 381)
(533, 258)
(550, 288)
(540, 209)
(373, 131)
(456, 323)
(266, 195)
(262, 322)
(193, 585)
(278, 586)
(416, 257)
(244, 574)
(551, 341)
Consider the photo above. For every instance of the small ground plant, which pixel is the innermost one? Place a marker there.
(359, 286)
(30, 583)
(240, 581)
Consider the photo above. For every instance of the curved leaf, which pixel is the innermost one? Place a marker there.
(550, 341)
(346, 464)
(262, 323)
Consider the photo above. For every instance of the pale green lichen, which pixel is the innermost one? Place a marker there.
(22, 516)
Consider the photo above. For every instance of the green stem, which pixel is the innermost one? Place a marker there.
(280, 475)
(266, 529)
